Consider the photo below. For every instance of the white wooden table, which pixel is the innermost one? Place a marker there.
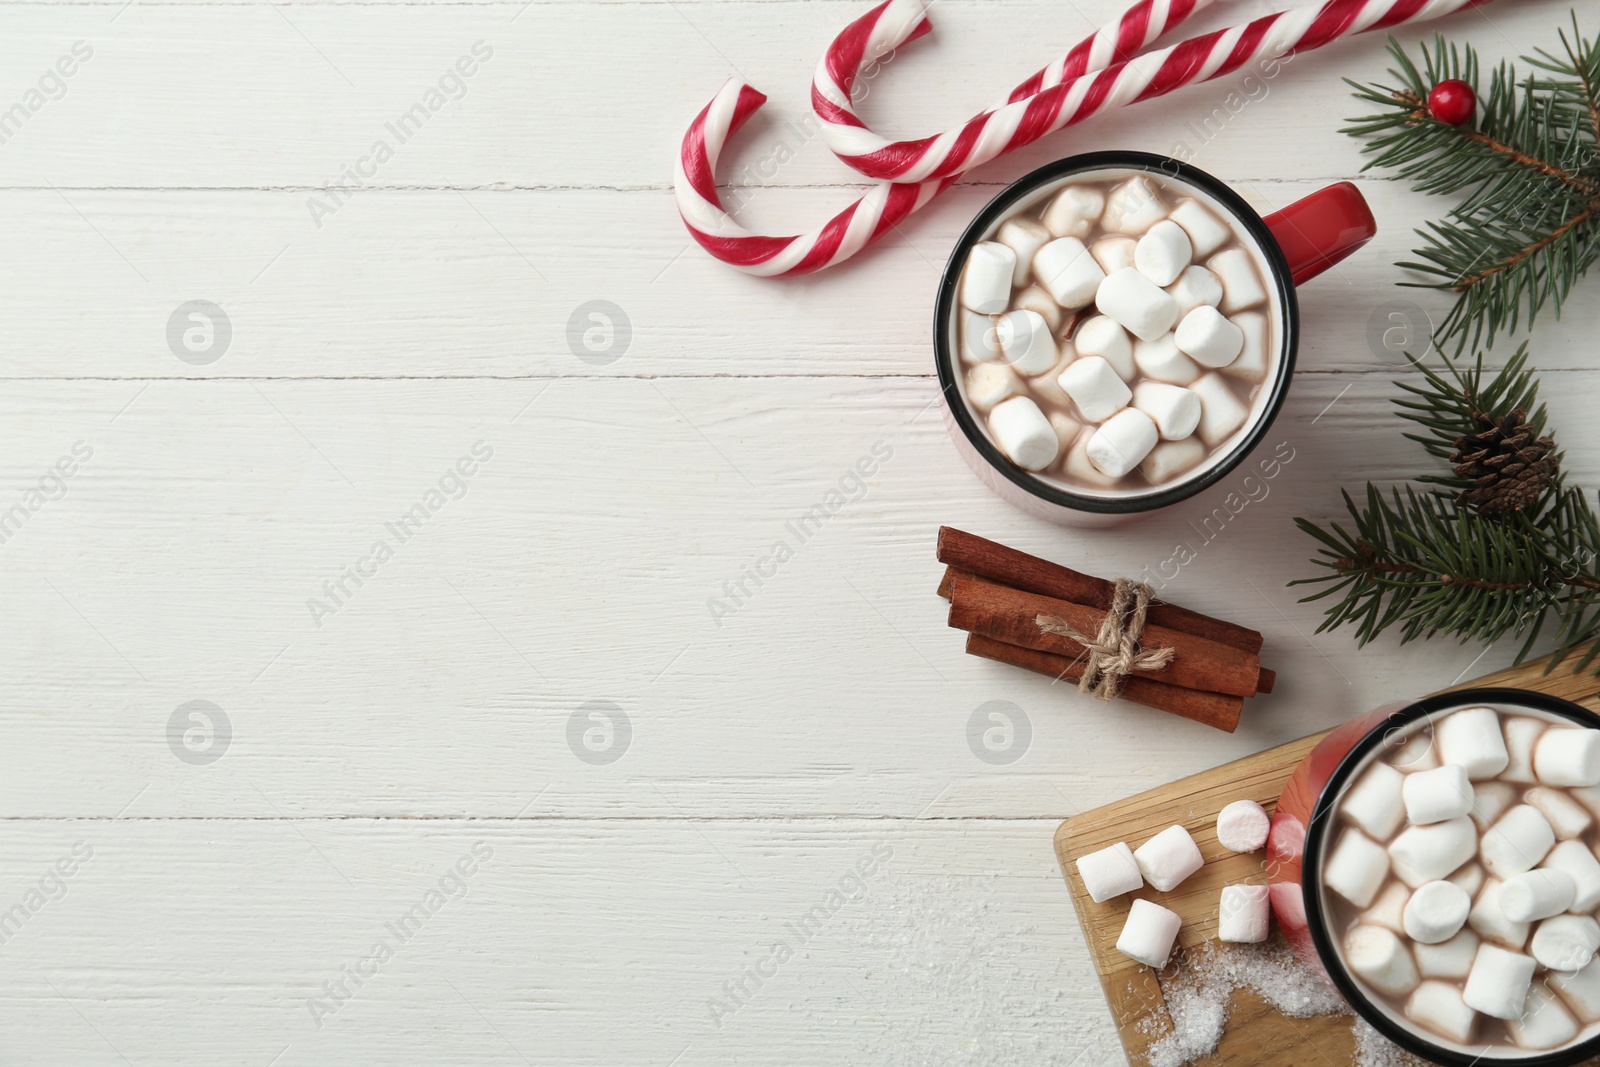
(503, 790)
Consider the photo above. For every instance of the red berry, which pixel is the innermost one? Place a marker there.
(1453, 102)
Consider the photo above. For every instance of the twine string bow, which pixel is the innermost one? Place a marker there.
(1115, 652)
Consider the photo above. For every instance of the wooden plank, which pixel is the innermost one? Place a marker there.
(1256, 1035)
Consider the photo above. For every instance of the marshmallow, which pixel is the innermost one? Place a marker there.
(1416, 753)
(1209, 338)
(1490, 922)
(1163, 252)
(1123, 441)
(1517, 841)
(1207, 233)
(1536, 894)
(1576, 859)
(1171, 458)
(1148, 934)
(1544, 1023)
(1110, 872)
(1429, 853)
(986, 281)
(1068, 272)
(1565, 942)
(1380, 959)
(1113, 253)
(1356, 868)
(1024, 434)
(1566, 816)
(1436, 795)
(1373, 803)
(1436, 912)
(1027, 342)
(1074, 211)
(1221, 410)
(1490, 801)
(1241, 285)
(1242, 826)
(1133, 207)
(1448, 959)
(1168, 858)
(1521, 734)
(1439, 1007)
(1469, 878)
(1242, 913)
(1589, 797)
(1095, 387)
(980, 341)
(1100, 336)
(1498, 982)
(1024, 237)
(1065, 426)
(1142, 307)
(1252, 363)
(1568, 757)
(1471, 737)
(1194, 288)
(990, 383)
(1040, 302)
(1581, 991)
(1048, 392)
(1174, 410)
(1161, 360)
(1079, 469)
(1390, 908)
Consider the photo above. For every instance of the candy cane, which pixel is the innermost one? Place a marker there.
(1023, 121)
(882, 208)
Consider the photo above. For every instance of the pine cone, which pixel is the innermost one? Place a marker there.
(1508, 468)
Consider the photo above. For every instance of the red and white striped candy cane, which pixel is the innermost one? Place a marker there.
(1023, 121)
(694, 177)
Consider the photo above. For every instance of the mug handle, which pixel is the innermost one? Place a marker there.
(1319, 230)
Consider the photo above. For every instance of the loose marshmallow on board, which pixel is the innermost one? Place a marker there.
(1471, 737)
(1428, 853)
(1490, 922)
(1023, 433)
(1521, 734)
(1241, 286)
(1123, 441)
(1163, 252)
(1195, 287)
(1110, 872)
(1174, 409)
(1095, 387)
(1576, 859)
(1448, 959)
(1207, 233)
(1113, 253)
(1436, 912)
(1581, 990)
(1171, 458)
(1436, 795)
(1498, 983)
(990, 383)
(1074, 211)
(986, 281)
(1027, 342)
(1168, 858)
(1356, 868)
(1568, 757)
(1381, 960)
(1068, 272)
(1133, 207)
(1242, 826)
(980, 340)
(1148, 934)
(1142, 307)
(1439, 1007)
(1534, 895)
(1374, 802)
(1024, 237)
(1566, 816)
(1221, 410)
(1242, 914)
(1101, 336)
(1161, 361)
(1565, 942)
(1517, 841)
(1543, 1023)
(1208, 338)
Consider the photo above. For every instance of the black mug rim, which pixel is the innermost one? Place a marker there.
(945, 307)
(1311, 860)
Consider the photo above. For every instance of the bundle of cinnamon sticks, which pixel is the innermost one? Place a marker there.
(997, 594)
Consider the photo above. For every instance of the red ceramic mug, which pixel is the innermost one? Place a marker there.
(1302, 834)
(1289, 247)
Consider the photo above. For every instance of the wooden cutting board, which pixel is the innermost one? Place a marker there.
(1256, 1035)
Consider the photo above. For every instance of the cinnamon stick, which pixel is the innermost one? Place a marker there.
(1006, 614)
(1213, 709)
(999, 563)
